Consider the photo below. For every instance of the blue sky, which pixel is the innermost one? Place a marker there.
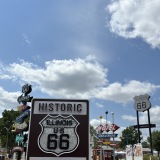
(106, 51)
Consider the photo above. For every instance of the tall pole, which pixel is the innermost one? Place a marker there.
(106, 116)
(139, 140)
(113, 136)
(150, 134)
(100, 142)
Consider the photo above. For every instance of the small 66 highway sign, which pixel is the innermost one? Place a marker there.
(59, 129)
(142, 103)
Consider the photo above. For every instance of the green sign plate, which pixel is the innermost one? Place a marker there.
(19, 138)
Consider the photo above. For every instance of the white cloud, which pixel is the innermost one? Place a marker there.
(99, 105)
(124, 93)
(154, 116)
(143, 117)
(8, 100)
(25, 36)
(78, 78)
(96, 122)
(136, 18)
(65, 78)
(129, 118)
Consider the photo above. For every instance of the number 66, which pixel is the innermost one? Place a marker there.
(141, 105)
(52, 141)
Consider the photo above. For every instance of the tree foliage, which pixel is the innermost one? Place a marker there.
(129, 136)
(93, 133)
(145, 144)
(155, 140)
(6, 122)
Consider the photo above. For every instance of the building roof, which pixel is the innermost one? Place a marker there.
(107, 147)
(104, 147)
(146, 149)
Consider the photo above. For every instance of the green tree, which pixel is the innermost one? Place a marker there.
(93, 133)
(155, 140)
(145, 144)
(6, 136)
(129, 136)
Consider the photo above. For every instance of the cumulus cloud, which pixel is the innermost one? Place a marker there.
(66, 78)
(78, 78)
(143, 117)
(154, 116)
(129, 118)
(8, 100)
(75, 78)
(99, 105)
(120, 93)
(95, 122)
(136, 18)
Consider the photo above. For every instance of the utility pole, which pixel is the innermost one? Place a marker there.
(101, 142)
(113, 136)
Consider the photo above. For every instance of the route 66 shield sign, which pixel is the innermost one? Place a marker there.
(58, 135)
(142, 103)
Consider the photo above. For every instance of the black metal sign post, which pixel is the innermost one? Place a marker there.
(59, 130)
(150, 132)
(139, 140)
(142, 104)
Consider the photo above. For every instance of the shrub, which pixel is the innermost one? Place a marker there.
(147, 157)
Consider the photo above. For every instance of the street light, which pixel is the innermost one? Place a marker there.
(113, 136)
(100, 142)
(112, 117)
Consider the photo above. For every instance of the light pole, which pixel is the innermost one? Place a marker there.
(106, 116)
(113, 136)
(112, 117)
(100, 142)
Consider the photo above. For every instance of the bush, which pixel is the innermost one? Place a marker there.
(147, 157)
